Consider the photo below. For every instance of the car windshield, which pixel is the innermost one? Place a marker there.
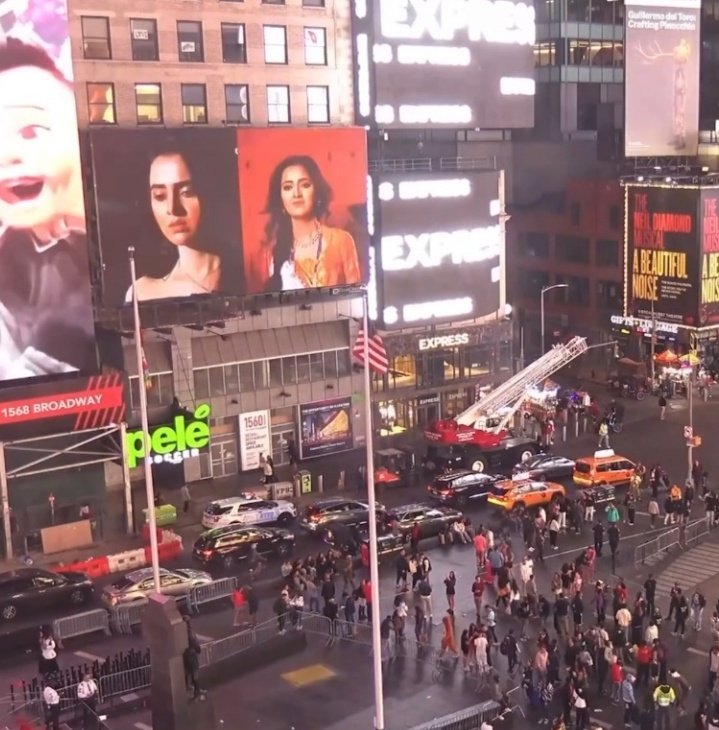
(214, 508)
(123, 583)
(582, 467)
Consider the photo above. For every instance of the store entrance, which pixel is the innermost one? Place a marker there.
(280, 440)
(223, 454)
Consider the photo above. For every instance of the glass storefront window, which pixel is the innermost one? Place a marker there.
(477, 361)
(160, 390)
(217, 382)
(232, 381)
(275, 373)
(344, 366)
(317, 369)
(247, 384)
(303, 368)
(202, 388)
(403, 371)
(330, 359)
(395, 417)
(260, 371)
(289, 371)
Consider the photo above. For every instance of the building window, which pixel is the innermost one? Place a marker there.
(143, 38)
(313, 3)
(237, 104)
(234, 49)
(315, 46)
(610, 295)
(194, 103)
(101, 103)
(607, 253)
(615, 217)
(275, 39)
(531, 282)
(278, 104)
(96, 38)
(148, 103)
(534, 245)
(318, 105)
(273, 2)
(160, 390)
(573, 248)
(545, 54)
(189, 41)
(575, 214)
(576, 291)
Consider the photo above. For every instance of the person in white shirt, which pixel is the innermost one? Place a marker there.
(52, 707)
(490, 538)
(486, 726)
(48, 653)
(87, 692)
(480, 651)
(526, 570)
(651, 634)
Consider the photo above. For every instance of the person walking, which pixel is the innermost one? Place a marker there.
(598, 532)
(51, 698)
(477, 593)
(186, 498)
(402, 571)
(613, 539)
(553, 533)
(696, 608)
(87, 692)
(603, 432)
(650, 592)
(581, 710)
(191, 665)
(450, 586)
(424, 590)
(47, 663)
(653, 510)
(662, 406)
(682, 614)
(628, 700)
(664, 697)
(510, 649)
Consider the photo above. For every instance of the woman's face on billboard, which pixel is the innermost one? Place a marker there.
(39, 149)
(175, 204)
(298, 192)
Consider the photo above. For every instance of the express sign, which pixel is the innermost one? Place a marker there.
(171, 444)
(432, 343)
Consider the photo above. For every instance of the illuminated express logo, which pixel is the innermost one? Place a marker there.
(171, 444)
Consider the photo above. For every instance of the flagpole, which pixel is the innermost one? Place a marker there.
(372, 503)
(142, 388)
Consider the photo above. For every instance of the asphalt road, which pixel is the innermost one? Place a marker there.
(346, 695)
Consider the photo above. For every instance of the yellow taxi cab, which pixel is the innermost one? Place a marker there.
(518, 493)
(605, 467)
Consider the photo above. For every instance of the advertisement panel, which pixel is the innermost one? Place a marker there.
(62, 406)
(441, 252)
(661, 77)
(46, 316)
(175, 198)
(709, 299)
(255, 438)
(444, 63)
(325, 427)
(662, 254)
(304, 207)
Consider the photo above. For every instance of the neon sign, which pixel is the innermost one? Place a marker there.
(171, 444)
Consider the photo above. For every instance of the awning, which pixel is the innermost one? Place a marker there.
(157, 354)
(212, 350)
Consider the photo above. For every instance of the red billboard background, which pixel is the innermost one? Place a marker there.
(341, 158)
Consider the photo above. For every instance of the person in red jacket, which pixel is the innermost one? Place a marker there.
(366, 587)
(616, 672)
(643, 656)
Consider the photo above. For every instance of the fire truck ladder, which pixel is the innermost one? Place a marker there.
(512, 391)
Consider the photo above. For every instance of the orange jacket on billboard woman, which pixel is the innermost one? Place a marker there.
(334, 264)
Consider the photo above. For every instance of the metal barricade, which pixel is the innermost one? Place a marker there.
(657, 546)
(123, 618)
(693, 531)
(215, 591)
(468, 719)
(124, 683)
(80, 624)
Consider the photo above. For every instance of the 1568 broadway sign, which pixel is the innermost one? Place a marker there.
(171, 444)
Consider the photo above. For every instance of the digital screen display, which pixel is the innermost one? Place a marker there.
(440, 252)
(709, 219)
(662, 259)
(325, 427)
(46, 316)
(230, 212)
(444, 63)
(661, 77)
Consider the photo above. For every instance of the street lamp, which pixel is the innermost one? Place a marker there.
(545, 289)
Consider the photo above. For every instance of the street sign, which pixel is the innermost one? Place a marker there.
(688, 432)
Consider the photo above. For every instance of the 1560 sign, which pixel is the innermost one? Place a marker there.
(171, 444)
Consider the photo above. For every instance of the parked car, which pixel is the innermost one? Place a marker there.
(602, 495)
(604, 468)
(244, 510)
(137, 585)
(227, 545)
(545, 466)
(333, 509)
(27, 590)
(514, 494)
(462, 486)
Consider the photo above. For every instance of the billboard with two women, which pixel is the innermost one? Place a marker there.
(230, 212)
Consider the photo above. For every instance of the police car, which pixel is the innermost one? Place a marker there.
(247, 510)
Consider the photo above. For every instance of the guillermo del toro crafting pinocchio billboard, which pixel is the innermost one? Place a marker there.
(662, 262)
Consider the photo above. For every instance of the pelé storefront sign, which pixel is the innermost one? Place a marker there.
(171, 444)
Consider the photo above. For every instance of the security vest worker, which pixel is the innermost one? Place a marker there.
(664, 698)
(87, 694)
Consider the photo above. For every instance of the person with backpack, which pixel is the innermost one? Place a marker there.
(510, 649)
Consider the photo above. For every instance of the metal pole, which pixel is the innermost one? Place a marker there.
(7, 524)
(149, 485)
(690, 447)
(541, 317)
(521, 348)
(129, 517)
(373, 557)
(653, 343)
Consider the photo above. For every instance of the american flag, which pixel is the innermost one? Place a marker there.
(376, 352)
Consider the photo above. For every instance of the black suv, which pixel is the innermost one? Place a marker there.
(226, 545)
(335, 510)
(462, 487)
(28, 590)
